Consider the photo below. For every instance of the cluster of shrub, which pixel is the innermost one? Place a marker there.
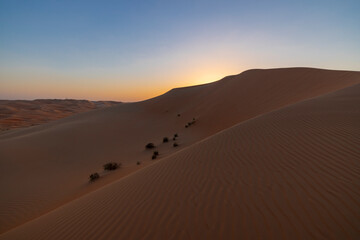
(107, 167)
(190, 123)
(165, 140)
(151, 146)
(113, 165)
(155, 154)
(174, 139)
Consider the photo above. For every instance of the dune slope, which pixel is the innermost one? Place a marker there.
(290, 174)
(46, 166)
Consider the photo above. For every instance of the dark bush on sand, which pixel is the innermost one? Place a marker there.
(94, 176)
(150, 146)
(111, 166)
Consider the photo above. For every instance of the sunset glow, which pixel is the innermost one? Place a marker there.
(134, 51)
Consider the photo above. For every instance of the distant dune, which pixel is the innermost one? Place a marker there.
(266, 154)
(23, 113)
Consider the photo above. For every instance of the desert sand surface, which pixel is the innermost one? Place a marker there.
(273, 154)
(24, 113)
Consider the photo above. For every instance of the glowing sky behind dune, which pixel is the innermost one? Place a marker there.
(133, 50)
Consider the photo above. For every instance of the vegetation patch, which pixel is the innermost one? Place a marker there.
(150, 146)
(190, 123)
(111, 166)
(94, 176)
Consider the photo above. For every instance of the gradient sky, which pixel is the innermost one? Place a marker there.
(133, 50)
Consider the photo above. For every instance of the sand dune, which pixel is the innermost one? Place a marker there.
(290, 174)
(274, 175)
(23, 113)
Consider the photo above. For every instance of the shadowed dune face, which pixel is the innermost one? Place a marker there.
(22, 113)
(289, 174)
(56, 158)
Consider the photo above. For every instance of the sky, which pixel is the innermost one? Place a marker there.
(134, 50)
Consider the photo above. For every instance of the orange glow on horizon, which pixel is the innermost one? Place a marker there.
(40, 83)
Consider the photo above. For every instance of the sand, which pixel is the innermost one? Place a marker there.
(273, 154)
(24, 113)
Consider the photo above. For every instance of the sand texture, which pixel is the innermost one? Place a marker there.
(273, 154)
(23, 113)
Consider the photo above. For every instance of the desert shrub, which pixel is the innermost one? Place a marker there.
(138, 163)
(165, 139)
(190, 123)
(175, 145)
(153, 157)
(175, 135)
(156, 153)
(150, 146)
(179, 115)
(111, 166)
(94, 176)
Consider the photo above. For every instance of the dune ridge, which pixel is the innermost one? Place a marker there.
(289, 174)
(122, 131)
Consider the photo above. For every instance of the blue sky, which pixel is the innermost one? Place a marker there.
(133, 50)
